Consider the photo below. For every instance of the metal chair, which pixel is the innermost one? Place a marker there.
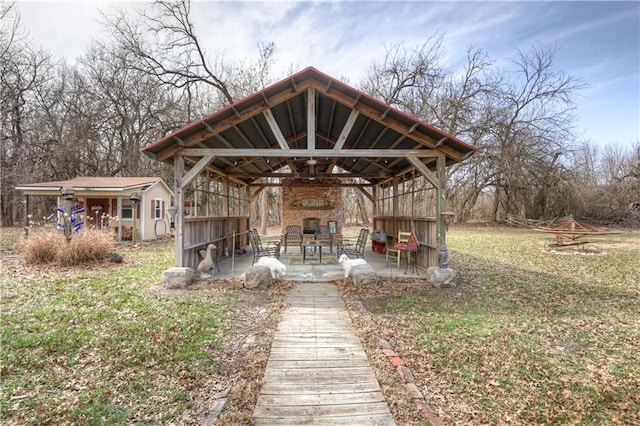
(354, 249)
(270, 249)
(324, 235)
(293, 236)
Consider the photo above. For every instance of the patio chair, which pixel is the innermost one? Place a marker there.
(293, 236)
(356, 249)
(260, 249)
(394, 253)
(323, 235)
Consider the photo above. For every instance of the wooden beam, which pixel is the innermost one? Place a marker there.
(365, 193)
(441, 226)
(346, 130)
(273, 124)
(311, 118)
(257, 192)
(317, 182)
(196, 169)
(207, 126)
(216, 170)
(317, 175)
(178, 193)
(231, 121)
(328, 153)
(329, 85)
(424, 171)
(390, 122)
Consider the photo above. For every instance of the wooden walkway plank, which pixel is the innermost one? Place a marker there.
(318, 372)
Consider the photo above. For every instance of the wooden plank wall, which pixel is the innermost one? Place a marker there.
(199, 232)
(425, 229)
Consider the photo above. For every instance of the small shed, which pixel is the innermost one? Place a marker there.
(311, 135)
(112, 202)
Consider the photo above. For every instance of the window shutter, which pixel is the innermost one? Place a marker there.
(153, 210)
(162, 209)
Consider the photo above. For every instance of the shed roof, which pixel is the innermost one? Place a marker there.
(88, 184)
(309, 115)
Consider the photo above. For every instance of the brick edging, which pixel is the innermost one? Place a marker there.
(415, 396)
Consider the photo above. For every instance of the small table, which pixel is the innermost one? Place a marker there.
(411, 260)
(311, 244)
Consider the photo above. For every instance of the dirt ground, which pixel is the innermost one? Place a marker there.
(230, 397)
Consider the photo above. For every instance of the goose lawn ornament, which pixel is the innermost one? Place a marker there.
(207, 263)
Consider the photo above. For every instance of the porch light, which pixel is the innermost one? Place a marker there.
(135, 198)
(448, 216)
(67, 194)
(312, 161)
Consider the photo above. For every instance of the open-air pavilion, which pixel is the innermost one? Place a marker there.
(311, 135)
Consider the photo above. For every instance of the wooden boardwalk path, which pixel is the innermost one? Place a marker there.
(318, 372)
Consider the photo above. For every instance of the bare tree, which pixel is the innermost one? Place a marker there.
(405, 78)
(21, 70)
(608, 185)
(164, 43)
(520, 118)
(533, 129)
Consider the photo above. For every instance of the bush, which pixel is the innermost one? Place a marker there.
(42, 247)
(89, 245)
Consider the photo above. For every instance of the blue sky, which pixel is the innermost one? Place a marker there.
(598, 42)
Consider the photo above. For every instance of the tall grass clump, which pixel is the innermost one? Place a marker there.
(89, 245)
(42, 247)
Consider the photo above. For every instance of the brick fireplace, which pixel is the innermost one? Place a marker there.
(316, 201)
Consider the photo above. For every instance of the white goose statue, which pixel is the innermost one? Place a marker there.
(207, 263)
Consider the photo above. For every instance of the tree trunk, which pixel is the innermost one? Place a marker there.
(362, 208)
(264, 211)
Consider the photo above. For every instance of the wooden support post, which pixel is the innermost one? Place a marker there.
(178, 171)
(119, 213)
(225, 199)
(441, 237)
(311, 118)
(26, 216)
(395, 202)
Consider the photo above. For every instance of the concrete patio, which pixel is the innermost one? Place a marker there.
(236, 266)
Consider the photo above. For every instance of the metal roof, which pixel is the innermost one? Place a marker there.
(309, 115)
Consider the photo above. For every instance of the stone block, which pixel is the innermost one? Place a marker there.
(439, 277)
(364, 275)
(405, 373)
(257, 276)
(414, 392)
(177, 277)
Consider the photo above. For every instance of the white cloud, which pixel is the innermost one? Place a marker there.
(597, 41)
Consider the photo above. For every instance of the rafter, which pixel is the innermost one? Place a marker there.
(232, 120)
(291, 153)
(346, 130)
(273, 124)
(392, 123)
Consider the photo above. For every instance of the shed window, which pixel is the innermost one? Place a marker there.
(127, 211)
(156, 208)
